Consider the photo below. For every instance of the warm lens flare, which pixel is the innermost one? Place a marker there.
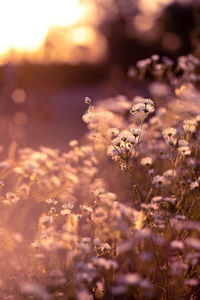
(75, 45)
(25, 24)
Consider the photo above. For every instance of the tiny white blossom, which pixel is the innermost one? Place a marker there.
(190, 125)
(88, 100)
(105, 247)
(146, 161)
(146, 106)
(182, 142)
(130, 279)
(170, 131)
(194, 185)
(73, 143)
(168, 135)
(12, 197)
(177, 244)
(158, 180)
(184, 150)
(170, 173)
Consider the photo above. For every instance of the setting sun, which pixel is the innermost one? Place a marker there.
(25, 24)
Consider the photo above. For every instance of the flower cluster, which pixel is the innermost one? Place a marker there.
(116, 216)
(145, 107)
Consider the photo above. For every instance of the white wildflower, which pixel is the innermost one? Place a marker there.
(123, 166)
(51, 201)
(194, 185)
(168, 135)
(130, 279)
(143, 63)
(184, 150)
(97, 242)
(146, 161)
(190, 125)
(182, 142)
(177, 244)
(170, 173)
(168, 132)
(65, 211)
(86, 208)
(88, 100)
(105, 247)
(158, 180)
(157, 199)
(146, 106)
(12, 197)
(73, 143)
(151, 172)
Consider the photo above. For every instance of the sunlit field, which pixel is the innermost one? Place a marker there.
(113, 213)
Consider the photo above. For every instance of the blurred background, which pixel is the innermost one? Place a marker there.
(54, 53)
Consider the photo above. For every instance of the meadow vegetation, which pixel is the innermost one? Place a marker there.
(118, 215)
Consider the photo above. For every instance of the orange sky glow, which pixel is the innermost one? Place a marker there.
(26, 24)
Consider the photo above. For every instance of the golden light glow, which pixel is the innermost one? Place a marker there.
(74, 44)
(24, 24)
(150, 7)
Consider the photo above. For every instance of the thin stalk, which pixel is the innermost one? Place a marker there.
(130, 169)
